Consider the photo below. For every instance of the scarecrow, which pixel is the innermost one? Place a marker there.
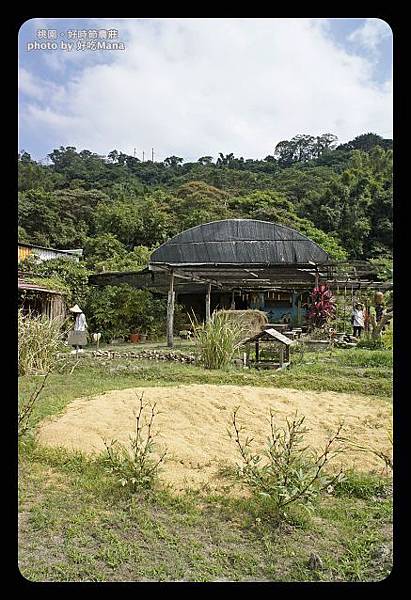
(78, 336)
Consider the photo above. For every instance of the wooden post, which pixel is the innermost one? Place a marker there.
(170, 312)
(345, 304)
(208, 303)
(232, 307)
(257, 351)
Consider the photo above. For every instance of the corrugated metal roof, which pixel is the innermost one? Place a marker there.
(47, 253)
(76, 251)
(240, 241)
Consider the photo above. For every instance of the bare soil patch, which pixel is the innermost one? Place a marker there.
(194, 420)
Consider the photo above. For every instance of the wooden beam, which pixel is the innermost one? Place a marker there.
(170, 312)
(208, 303)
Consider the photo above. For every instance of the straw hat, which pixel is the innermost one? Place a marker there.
(75, 309)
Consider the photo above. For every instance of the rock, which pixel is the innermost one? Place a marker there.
(314, 562)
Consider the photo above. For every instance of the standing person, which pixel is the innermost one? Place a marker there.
(357, 319)
(78, 337)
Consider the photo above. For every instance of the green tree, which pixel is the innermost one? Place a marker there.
(173, 161)
(134, 222)
(32, 175)
(38, 216)
(136, 260)
(366, 142)
(274, 207)
(117, 311)
(196, 203)
(72, 275)
(205, 160)
(302, 148)
(357, 205)
(101, 248)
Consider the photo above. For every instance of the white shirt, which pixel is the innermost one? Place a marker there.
(81, 323)
(358, 315)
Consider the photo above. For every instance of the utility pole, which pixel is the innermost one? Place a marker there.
(134, 152)
(143, 155)
(152, 154)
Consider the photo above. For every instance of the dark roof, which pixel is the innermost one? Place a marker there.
(239, 241)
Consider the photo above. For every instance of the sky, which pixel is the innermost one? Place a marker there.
(198, 87)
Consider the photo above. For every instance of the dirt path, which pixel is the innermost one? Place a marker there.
(194, 420)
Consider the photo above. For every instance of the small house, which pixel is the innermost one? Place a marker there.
(42, 253)
(37, 297)
(40, 300)
(272, 350)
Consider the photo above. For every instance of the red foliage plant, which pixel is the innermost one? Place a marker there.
(321, 306)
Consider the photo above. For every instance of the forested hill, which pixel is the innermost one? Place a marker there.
(118, 208)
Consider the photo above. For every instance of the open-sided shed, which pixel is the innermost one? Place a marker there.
(275, 341)
(243, 257)
(234, 264)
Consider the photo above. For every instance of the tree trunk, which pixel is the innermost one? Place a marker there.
(377, 327)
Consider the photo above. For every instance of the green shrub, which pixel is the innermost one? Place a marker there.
(387, 338)
(358, 357)
(217, 340)
(371, 343)
(117, 311)
(361, 485)
(138, 467)
(39, 341)
(288, 473)
(62, 274)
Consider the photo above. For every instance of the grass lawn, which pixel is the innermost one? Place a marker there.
(78, 524)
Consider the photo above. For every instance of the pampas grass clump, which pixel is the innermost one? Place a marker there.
(217, 340)
(39, 340)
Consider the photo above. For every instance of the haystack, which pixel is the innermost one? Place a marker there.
(251, 321)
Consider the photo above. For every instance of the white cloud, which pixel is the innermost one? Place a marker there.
(370, 35)
(194, 87)
(29, 85)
